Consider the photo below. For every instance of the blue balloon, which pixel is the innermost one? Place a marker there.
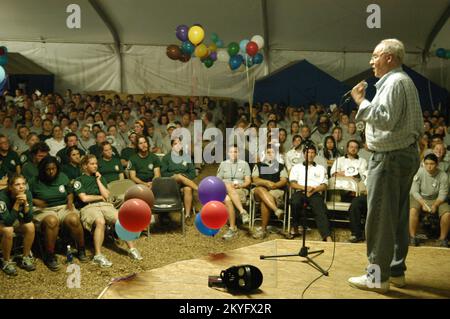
(220, 43)
(441, 52)
(187, 47)
(258, 58)
(125, 234)
(3, 55)
(236, 61)
(2, 74)
(243, 45)
(202, 228)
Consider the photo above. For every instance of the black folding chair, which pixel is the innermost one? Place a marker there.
(167, 198)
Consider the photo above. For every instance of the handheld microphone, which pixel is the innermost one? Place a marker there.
(350, 91)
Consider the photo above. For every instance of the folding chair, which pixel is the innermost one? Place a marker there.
(117, 190)
(167, 198)
(340, 183)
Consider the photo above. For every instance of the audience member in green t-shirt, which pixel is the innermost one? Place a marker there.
(143, 166)
(109, 166)
(177, 165)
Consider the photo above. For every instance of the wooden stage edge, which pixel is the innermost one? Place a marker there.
(428, 274)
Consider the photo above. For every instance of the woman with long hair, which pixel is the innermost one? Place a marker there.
(330, 152)
(177, 165)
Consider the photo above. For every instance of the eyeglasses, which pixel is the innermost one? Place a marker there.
(377, 56)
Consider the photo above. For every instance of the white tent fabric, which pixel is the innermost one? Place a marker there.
(331, 34)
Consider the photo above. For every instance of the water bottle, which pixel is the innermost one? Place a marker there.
(69, 256)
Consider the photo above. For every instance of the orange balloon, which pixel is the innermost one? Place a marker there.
(201, 51)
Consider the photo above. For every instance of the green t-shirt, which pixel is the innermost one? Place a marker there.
(127, 152)
(8, 215)
(71, 171)
(172, 164)
(144, 167)
(87, 184)
(8, 163)
(111, 169)
(30, 171)
(25, 157)
(53, 194)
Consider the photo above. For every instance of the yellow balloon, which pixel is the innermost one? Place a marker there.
(196, 34)
(201, 51)
(213, 47)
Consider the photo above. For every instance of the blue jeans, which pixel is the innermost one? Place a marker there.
(388, 185)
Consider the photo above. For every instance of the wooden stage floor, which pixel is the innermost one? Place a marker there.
(428, 274)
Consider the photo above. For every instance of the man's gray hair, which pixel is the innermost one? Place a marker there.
(394, 47)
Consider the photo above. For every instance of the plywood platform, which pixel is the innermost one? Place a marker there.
(428, 274)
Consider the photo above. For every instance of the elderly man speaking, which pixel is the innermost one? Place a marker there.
(394, 124)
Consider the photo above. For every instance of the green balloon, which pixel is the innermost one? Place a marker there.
(208, 62)
(447, 54)
(233, 48)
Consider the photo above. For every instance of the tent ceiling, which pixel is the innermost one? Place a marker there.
(306, 25)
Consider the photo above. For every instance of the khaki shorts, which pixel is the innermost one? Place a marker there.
(278, 195)
(443, 208)
(91, 212)
(243, 195)
(59, 212)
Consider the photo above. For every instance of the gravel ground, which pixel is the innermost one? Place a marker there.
(165, 245)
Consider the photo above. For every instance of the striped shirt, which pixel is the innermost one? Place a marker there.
(394, 117)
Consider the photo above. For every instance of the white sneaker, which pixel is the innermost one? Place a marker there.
(279, 213)
(102, 261)
(135, 254)
(365, 283)
(230, 234)
(245, 217)
(398, 282)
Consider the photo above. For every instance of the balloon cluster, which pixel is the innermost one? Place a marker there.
(211, 192)
(135, 213)
(443, 53)
(192, 44)
(246, 52)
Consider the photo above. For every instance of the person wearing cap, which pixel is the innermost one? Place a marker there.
(166, 146)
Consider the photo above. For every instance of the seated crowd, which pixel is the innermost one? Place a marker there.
(58, 155)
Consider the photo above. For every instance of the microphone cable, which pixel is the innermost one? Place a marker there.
(333, 232)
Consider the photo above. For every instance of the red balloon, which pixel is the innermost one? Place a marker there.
(214, 214)
(185, 57)
(252, 48)
(135, 215)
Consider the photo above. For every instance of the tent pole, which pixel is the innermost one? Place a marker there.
(435, 31)
(112, 28)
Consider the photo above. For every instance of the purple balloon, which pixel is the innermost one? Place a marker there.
(182, 32)
(213, 56)
(212, 188)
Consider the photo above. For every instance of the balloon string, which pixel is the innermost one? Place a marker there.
(249, 88)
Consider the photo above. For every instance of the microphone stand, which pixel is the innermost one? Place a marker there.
(304, 251)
